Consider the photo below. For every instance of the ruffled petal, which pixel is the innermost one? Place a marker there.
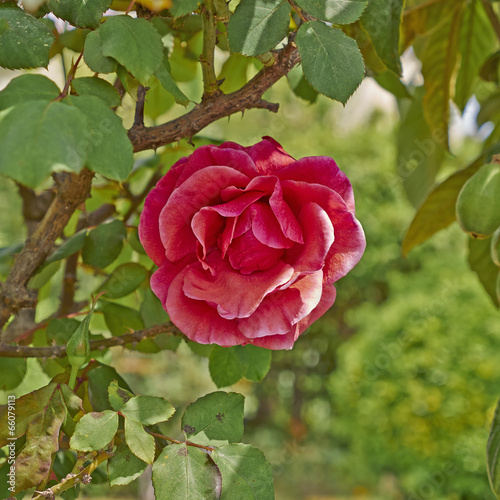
(149, 228)
(320, 170)
(266, 227)
(349, 244)
(206, 226)
(247, 254)
(236, 295)
(288, 340)
(269, 156)
(199, 321)
(280, 310)
(201, 189)
(318, 238)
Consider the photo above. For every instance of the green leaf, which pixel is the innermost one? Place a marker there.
(59, 331)
(420, 151)
(225, 366)
(74, 39)
(78, 346)
(12, 372)
(493, 453)
(69, 247)
(476, 40)
(28, 88)
(120, 319)
(480, 261)
(258, 361)
(93, 54)
(332, 62)
(94, 431)
(105, 140)
(97, 87)
(100, 379)
(234, 73)
(334, 11)
(123, 280)
(117, 395)
(42, 441)
(300, 86)
(165, 78)
(10, 250)
(134, 241)
(43, 275)
(148, 410)
(382, 21)
(124, 467)
(390, 82)
(134, 43)
(25, 42)
(439, 57)
(246, 474)
(139, 441)
(441, 201)
(182, 7)
(203, 350)
(104, 243)
(158, 100)
(490, 70)
(218, 414)
(53, 132)
(184, 473)
(152, 311)
(258, 25)
(80, 13)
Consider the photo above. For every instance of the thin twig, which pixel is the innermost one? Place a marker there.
(139, 106)
(59, 351)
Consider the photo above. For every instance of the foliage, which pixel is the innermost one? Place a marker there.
(59, 145)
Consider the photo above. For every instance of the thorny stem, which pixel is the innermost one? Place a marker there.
(209, 25)
(176, 441)
(71, 76)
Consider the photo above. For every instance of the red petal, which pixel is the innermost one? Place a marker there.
(269, 156)
(236, 295)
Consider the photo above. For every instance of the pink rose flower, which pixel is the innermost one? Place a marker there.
(249, 241)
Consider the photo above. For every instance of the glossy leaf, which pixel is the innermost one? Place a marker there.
(93, 54)
(139, 441)
(246, 474)
(184, 473)
(476, 40)
(382, 21)
(258, 25)
(69, 247)
(80, 13)
(134, 43)
(148, 410)
(334, 11)
(104, 243)
(105, 140)
(53, 131)
(124, 467)
(218, 414)
(332, 62)
(24, 40)
(42, 441)
(123, 280)
(480, 261)
(120, 319)
(28, 88)
(95, 86)
(94, 431)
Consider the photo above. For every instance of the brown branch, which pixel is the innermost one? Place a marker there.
(59, 351)
(71, 190)
(218, 106)
(139, 106)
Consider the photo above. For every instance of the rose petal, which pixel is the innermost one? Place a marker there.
(280, 310)
(236, 295)
(349, 244)
(247, 254)
(201, 189)
(269, 156)
(287, 341)
(149, 229)
(206, 226)
(318, 238)
(197, 320)
(266, 227)
(320, 170)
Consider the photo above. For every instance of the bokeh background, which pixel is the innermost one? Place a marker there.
(390, 394)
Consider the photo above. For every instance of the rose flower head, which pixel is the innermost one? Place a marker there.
(249, 242)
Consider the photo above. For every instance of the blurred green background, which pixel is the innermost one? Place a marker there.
(390, 394)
